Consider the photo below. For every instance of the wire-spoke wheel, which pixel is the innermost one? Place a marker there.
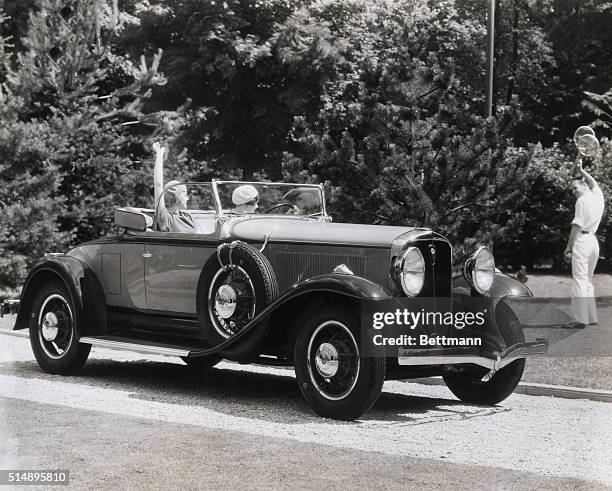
(54, 332)
(333, 360)
(55, 326)
(335, 378)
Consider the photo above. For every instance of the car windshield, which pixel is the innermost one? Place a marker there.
(201, 197)
(244, 198)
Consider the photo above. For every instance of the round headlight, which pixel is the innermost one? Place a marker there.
(481, 268)
(411, 270)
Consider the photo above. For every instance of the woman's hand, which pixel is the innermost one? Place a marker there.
(159, 149)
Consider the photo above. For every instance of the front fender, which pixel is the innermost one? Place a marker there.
(80, 282)
(503, 287)
(338, 283)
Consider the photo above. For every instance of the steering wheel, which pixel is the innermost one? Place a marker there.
(280, 205)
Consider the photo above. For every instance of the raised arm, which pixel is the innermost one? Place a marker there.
(592, 183)
(575, 166)
(158, 176)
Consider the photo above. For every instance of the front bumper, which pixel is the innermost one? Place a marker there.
(496, 361)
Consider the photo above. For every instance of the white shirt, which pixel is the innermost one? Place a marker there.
(589, 210)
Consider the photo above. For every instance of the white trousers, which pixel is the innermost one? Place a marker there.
(585, 254)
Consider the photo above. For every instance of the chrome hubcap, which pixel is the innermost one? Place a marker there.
(50, 326)
(231, 300)
(333, 360)
(326, 360)
(225, 301)
(55, 326)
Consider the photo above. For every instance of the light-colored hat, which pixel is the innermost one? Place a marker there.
(244, 194)
(172, 189)
(292, 195)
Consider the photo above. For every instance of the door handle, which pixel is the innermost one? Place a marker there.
(147, 255)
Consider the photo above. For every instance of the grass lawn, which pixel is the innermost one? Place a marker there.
(543, 285)
(586, 372)
(592, 367)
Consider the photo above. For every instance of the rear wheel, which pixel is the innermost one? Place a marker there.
(477, 385)
(334, 377)
(54, 331)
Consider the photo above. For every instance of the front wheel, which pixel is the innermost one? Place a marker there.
(334, 377)
(476, 385)
(54, 331)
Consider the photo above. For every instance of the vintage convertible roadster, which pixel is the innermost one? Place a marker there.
(282, 285)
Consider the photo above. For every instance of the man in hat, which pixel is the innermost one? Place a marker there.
(582, 247)
(305, 200)
(170, 203)
(245, 199)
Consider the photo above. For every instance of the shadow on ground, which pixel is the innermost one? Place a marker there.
(267, 397)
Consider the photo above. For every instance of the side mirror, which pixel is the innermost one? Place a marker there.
(133, 219)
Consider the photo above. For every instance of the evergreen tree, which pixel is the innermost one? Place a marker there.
(601, 106)
(246, 70)
(72, 142)
(396, 141)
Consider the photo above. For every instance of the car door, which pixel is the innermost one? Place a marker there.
(173, 263)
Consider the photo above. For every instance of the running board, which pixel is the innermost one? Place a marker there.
(137, 345)
(511, 354)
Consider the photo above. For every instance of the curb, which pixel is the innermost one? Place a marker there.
(546, 390)
(525, 388)
(18, 334)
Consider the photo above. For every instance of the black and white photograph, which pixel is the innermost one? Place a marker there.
(306, 244)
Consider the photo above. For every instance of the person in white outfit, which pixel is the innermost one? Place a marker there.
(582, 246)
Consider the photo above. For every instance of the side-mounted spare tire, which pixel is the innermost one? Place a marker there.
(235, 285)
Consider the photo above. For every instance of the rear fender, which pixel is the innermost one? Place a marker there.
(80, 282)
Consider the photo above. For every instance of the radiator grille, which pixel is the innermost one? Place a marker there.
(295, 264)
(438, 275)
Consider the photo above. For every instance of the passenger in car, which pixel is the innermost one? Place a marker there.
(245, 199)
(169, 215)
(305, 200)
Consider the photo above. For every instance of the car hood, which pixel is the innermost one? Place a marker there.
(316, 232)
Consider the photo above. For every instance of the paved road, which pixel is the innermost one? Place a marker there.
(130, 420)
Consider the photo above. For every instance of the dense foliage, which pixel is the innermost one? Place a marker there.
(381, 100)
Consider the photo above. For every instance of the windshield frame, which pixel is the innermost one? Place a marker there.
(219, 207)
(217, 200)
